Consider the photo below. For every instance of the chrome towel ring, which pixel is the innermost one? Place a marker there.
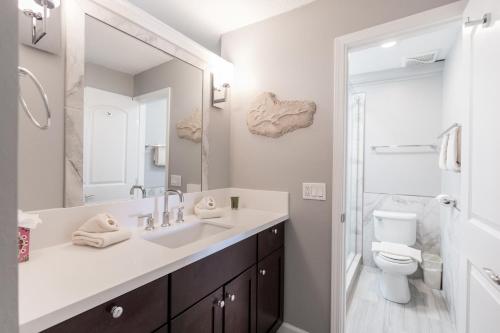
(25, 72)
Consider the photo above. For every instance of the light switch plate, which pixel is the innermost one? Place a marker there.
(314, 191)
(175, 180)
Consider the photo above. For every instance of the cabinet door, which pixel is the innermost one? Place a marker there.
(270, 292)
(203, 317)
(240, 309)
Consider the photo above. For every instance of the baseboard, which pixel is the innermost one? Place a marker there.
(289, 328)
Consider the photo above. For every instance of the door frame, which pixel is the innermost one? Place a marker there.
(365, 38)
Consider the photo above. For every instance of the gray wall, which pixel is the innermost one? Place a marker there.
(103, 78)
(186, 83)
(8, 167)
(41, 153)
(292, 56)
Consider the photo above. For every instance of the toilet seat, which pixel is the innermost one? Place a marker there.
(394, 258)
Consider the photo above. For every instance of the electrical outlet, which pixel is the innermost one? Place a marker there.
(175, 180)
(314, 191)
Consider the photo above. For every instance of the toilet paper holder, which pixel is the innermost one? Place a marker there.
(447, 200)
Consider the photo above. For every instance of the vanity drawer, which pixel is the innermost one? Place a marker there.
(191, 283)
(270, 240)
(144, 310)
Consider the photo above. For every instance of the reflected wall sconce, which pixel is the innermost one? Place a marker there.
(219, 92)
(38, 10)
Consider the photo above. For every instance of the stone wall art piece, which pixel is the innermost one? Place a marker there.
(190, 127)
(271, 117)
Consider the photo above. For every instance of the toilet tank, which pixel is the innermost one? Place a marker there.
(395, 227)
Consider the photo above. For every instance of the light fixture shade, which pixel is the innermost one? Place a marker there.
(37, 5)
(51, 4)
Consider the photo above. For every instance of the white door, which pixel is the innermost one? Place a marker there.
(481, 236)
(111, 145)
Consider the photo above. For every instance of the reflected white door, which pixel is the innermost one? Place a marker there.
(111, 145)
(482, 170)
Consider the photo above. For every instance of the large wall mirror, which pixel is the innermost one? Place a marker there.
(142, 118)
(137, 115)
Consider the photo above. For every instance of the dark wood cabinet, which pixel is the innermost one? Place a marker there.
(270, 292)
(270, 240)
(142, 310)
(240, 307)
(204, 317)
(236, 290)
(191, 283)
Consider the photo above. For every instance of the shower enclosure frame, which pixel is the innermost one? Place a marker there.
(359, 40)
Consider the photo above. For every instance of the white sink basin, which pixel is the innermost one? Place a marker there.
(184, 234)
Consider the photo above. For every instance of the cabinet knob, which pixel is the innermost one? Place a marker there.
(116, 311)
(274, 231)
(262, 272)
(231, 297)
(220, 303)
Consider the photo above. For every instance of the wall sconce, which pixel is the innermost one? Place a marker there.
(219, 92)
(38, 10)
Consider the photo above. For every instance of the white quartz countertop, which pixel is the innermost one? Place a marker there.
(62, 281)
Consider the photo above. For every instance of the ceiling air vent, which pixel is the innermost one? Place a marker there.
(423, 58)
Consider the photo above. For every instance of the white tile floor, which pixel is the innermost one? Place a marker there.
(369, 312)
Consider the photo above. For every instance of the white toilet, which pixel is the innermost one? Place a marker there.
(401, 228)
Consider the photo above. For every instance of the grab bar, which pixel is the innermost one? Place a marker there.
(448, 129)
(432, 147)
(25, 72)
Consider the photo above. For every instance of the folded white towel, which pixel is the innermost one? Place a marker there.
(453, 154)
(100, 239)
(206, 203)
(443, 152)
(208, 213)
(100, 223)
(397, 249)
(160, 155)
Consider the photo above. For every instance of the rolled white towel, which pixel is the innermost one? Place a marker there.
(26, 220)
(100, 223)
(208, 213)
(453, 151)
(100, 239)
(206, 203)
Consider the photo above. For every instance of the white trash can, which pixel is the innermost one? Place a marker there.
(432, 265)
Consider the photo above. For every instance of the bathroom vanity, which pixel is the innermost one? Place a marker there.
(238, 289)
(216, 275)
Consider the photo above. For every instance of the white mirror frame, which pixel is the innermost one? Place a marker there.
(139, 24)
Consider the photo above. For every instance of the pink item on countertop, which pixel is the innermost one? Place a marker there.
(23, 244)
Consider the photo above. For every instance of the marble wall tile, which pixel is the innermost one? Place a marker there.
(428, 223)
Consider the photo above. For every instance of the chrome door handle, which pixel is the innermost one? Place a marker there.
(492, 275)
(220, 303)
(231, 297)
(275, 231)
(116, 311)
(262, 272)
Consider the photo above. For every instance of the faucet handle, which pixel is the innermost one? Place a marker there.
(150, 224)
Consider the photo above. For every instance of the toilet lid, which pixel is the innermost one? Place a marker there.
(396, 258)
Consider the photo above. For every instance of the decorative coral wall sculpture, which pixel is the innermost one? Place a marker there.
(271, 117)
(190, 127)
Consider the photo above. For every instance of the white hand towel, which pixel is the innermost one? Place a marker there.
(208, 213)
(397, 249)
(206, 203)
(28, 221)
(100, 239)
(100, 223)
(453, 154)
(160, 155)
(443, 152)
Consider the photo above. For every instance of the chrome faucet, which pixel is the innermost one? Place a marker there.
(138, 187)
(150, 222)
(166, 213)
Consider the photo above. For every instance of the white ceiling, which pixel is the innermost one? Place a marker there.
(116, 50)
(206, 20)
(376, 58)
